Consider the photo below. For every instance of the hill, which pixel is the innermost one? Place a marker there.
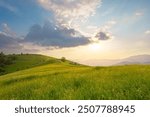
(137, 59)
(26, 61)
(62, 80)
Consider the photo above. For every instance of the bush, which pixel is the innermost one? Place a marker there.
(63, 59)
(6, 59)
(2, 70)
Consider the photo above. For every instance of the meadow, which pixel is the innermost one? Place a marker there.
(52, 79)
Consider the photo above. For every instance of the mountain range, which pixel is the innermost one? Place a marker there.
(137, 59)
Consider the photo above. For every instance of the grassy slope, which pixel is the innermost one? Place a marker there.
(27, 61)
(66, 81)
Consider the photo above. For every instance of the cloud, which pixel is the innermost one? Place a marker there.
(51, 35)
(11, 43)
(8, 43)
(108, 25)
(7, 30)
(104, 33)
(70, 12)
(33, 48)
(147, 32)
(138, 14)
(103, 36)
(8, 39)
(47, 37)
(6, 5)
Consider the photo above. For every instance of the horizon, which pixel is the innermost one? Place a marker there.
(77, 30)
(143, 59)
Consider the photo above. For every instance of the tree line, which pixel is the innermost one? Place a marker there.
(5, 60)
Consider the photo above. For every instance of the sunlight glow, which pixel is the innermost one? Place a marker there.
(94, 46)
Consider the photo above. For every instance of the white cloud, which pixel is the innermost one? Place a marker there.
(147, 32)
(7, 30)
(138, 13)
(71, 12)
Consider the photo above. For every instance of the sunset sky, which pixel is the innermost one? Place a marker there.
(76, 29)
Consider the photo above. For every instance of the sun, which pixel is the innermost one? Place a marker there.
(94, 46)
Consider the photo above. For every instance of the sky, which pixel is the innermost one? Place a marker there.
(79, 30)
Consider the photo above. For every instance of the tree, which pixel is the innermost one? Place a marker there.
(2, 59)
(1, 70)
(6, 59)
(63, 59)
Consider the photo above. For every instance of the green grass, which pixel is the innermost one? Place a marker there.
(27, 61)
(68, 81)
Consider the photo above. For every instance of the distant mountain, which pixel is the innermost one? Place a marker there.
(138, 59)
(98, 62)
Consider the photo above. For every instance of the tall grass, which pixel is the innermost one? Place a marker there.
(65, 81)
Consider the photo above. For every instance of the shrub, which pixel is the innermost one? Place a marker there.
(63, 59)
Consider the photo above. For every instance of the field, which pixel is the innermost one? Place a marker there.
(53, 79)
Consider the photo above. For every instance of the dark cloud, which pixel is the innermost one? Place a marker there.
(9, 44)
(7, 41)
(42, 37)
(102, 36)
(51, 35)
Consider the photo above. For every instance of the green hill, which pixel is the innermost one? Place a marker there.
(49, 78)
(26, 61)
